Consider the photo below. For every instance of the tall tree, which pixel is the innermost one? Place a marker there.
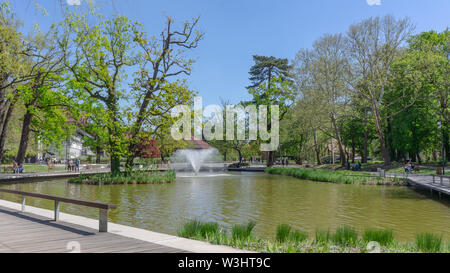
(373, 46)
(158, 86)
(96, 56)
(324, 71)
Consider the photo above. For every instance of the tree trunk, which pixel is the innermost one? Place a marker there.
(338, 138)
(24, 137)
(365, 154)
(381, 139)
(4, 129)
(97, 155)
(317, 149)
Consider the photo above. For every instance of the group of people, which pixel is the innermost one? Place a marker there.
(73, 165)
(284, 161)
(18, 168)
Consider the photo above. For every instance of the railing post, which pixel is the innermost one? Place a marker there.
(433, 178)
(23, 203)
(56, 210)
(441, 180)
(103, 220)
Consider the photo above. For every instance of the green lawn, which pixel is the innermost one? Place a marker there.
(37, 168)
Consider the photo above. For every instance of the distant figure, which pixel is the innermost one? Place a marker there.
(20, 168)
(408, 167)
(77, 165)
(15, 168)
(287, 161)
(347, 166)
(69, 165)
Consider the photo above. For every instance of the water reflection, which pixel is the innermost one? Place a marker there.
(269, 200)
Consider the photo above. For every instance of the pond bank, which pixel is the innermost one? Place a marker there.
(343, 177)
(344, 239)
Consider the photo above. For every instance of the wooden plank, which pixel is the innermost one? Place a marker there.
(26, 233)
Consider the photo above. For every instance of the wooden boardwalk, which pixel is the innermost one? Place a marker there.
(426, 182)
(29, 233)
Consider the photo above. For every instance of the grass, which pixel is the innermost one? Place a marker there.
(242, 232)
(383, 236)
(345, 177)
(345, 236)
(37, 168)
(288, 240)
(427, 242)
(136, 177)
(323, 236)
(286, 233)
(196, 228)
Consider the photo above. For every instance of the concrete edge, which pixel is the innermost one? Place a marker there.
(131, 232)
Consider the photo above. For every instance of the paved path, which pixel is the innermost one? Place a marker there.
(17, 177)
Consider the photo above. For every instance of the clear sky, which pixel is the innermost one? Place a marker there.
(237, 29)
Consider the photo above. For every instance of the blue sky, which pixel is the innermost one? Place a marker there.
(236, 30)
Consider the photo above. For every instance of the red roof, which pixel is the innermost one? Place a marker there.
(200, 144)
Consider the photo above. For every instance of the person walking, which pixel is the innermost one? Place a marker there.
(77, 165)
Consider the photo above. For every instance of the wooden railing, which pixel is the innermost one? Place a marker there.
(441, 178)
(103, 207)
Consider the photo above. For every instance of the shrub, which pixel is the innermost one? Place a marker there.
(428, 242)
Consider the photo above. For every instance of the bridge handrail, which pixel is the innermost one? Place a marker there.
(103, 207)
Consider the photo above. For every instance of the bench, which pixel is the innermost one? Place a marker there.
(103, 208)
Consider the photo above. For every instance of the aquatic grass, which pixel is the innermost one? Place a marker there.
(345, 177)
(428, 242)
(345, 236)
(196, 228)
(283, 231)
(286, 233)
(323, 236)
(135, 177)
(296, 241)
(383, 236)
(241, 232)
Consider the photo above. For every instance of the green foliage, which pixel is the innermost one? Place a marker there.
(323, 236)
(383, 236)
(345, 235)
(291, 241)
(286, 233)
(242, 232)
(196, 228)
(135, 177)
(346, 177)
(428, 242)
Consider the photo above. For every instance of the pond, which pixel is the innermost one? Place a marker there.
(231, 198)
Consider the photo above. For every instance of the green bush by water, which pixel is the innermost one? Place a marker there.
(428, 242)
(383, 236)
